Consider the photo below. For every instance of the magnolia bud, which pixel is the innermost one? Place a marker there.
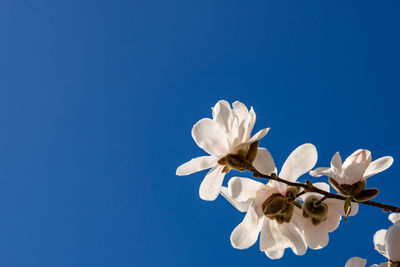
(354, 189)
(275, 206)
(316, 221)
(318, 211)
(305, 215)
(242, 153)
(222, 161)
(252, 153)
(226, 169)
(288, 213)
(292, 191)
(237, 162)
(336, 185)
(366, 194)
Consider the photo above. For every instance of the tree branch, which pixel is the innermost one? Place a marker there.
(310, 188)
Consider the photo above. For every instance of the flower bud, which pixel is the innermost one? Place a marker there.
(348, 189)
(353, 189)
(286, 216)
(288, 213)
(291, 192)
(318, 211)
(237, 162)
(279, 208)
(316, 221)
(366, 194)
(252, 153)
(274, 206)
(242, 153)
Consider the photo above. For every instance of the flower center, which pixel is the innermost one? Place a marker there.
(241, 160)
(315, 209)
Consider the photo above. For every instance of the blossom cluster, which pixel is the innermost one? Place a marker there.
(282, 213)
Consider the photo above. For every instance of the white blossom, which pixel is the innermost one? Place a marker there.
(349, 178)
(387, 242)
(356, 167)
(226, 133)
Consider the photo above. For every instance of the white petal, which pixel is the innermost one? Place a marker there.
(264, 162)
(274, 254)
(354, 166)
(356, 262)
(358, 156)
(299, 162)
(316, 240)
(211, 185)
(222, 114)
(378, 166)
(331, 223)
(209, 135)
(196, 165)
(254, 216)
(241, 110)
(394, 217)
(271, 240)
(380, 242)
(242, 115)
(243, 118)
(234, 135)
(295, 238)
(239, 205)
(336, 164)
(242, 239)
(243, 189)
(240, 192)
(321, 171)
(260, 134)
(322, 186)
(393, 242)
(252, 121)
(316, 237)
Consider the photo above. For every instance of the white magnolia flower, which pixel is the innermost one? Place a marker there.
(226, 133)
(291, 229)
(356, 167)
(387, 242)
(349, 178)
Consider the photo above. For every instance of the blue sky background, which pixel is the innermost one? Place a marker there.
(98, 98)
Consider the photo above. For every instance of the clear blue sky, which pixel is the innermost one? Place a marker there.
(98, 98)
